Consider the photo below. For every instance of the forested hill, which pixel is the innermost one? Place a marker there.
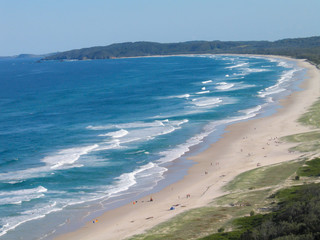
(308, 48)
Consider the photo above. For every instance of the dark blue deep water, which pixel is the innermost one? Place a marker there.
(77, 133)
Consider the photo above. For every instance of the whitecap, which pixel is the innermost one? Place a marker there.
(139, 131)
(116, 134)
(39, 189)
(280, 85)
(206, 101)
(283, 63)
(39, 211)
(99, 127)
(127, 180)
(224, 86)
(68, 156)
(177, 96)
(203, 92)
(251, 110)
(238, 65)
(255, 70)
(23, 195)
(208, 81)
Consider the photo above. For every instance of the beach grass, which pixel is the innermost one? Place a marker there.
(309, 141)
(263, 177)
(303, 137)
(306, 147)
(187, 225)
(311, 168)
(296, 216)
(312, 116)
(248, 192)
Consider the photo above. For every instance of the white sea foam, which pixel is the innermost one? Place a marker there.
(255, 70)
(127, 180)
(203, 92)
(98, 127)
(151, 132)
(116, 134)
(138, 131)
(247, 71)
(239, 65)
(283, 63)
(280, 86)
(224, 86)
(208, 81)
(269, 99)
(39, 211)
(177, 96)
(39, 189)
(19, 199)
(24, 174)
(66, 157)
(63, 159)
(15, 182)
(206, 101)
(115, 144)
(127, 125)
(252, 110)
(175, 153)
(19, 196)
(147, 130)
(271, 92)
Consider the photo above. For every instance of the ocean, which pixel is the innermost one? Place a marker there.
(80, 137)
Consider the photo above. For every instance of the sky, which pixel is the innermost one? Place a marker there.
(46, 26)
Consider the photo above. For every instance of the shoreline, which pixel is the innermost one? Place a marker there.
(254, 143)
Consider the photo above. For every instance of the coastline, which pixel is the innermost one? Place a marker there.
(254, 142)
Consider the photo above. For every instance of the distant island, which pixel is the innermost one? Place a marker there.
(307, 48)
(22, 56)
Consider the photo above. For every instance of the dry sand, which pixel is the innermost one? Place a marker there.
(244, 146)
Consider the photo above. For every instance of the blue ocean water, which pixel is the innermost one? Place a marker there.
(76, 136)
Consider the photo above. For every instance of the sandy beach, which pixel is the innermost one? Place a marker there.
(244, 146)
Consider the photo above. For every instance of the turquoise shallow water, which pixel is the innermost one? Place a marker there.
(78, 135)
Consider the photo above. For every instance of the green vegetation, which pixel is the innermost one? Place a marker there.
(311, 169)
(308, 142)
(187, 225)
(263, 177)
(312, 117)
(305, 48)
(303, 137)
(297, 217)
